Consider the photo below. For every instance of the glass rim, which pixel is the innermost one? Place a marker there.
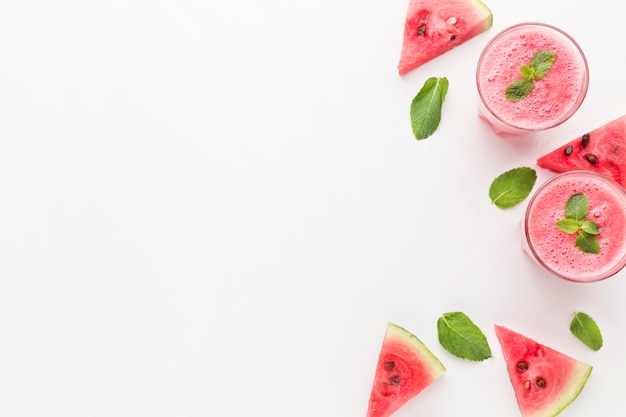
(619, 264)
(584, 80)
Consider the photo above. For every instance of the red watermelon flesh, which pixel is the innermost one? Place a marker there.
(602, 150)
(405, 367)
(433, 27)
(545, 381)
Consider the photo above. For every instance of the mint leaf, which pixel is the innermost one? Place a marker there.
(512, 187)
(576, 210)
(537, 68)
(577, 207)
(590, 227)
(519, 89)
(462, 338)
(587, 243)
(426, 107)
(541, 63)
(569, 226)
(586, 330)
(527, 72)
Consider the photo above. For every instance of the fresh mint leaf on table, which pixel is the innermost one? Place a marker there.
(426, 107)
(462, 338)
(539, 66)
(512, 187)
(586, 330)
(576, 210)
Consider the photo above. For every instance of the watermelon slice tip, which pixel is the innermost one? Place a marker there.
(405, 367)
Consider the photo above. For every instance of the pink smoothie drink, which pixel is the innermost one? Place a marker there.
(554, 98)
(555, 249)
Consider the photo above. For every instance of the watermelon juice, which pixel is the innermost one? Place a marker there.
(553, 99)
(557, 250)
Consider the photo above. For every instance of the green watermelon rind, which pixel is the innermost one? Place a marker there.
(487, 12)
(436, 368)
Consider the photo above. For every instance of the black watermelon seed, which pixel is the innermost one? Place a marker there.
(389, 365)
(522, 366)
(591, 158)
(421, 30)
(541, 383)
(453, 37)
(585, 140)
(395, 380)
(568, 151)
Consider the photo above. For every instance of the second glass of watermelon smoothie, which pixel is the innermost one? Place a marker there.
(556, 250)
(554, 98)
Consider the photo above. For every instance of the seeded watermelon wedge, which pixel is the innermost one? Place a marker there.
(545, 381)
(405, 367)
(602, 150)
(433, 27)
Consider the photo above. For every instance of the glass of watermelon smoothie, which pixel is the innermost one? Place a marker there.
(556, 250)
(555, 95)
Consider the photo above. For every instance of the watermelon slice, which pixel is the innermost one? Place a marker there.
(602, 150)
(545, 381)
(433, 27)
(405, 367)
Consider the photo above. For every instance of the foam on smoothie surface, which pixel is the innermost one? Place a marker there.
(553, 95)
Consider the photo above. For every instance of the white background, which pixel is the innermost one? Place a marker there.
(213, 208)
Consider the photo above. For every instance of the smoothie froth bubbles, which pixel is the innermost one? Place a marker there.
(556, 250)
(554, 98)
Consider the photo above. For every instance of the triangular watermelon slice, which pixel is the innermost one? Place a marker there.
(602, 150)
(433, 27)
(405, 367)
(545, 381)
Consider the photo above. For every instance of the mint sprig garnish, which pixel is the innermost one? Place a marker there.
(462, 338)
(586, 330)
(575, 221)
(426, 107)
(537, 68)
(519, 89)
(512, 187)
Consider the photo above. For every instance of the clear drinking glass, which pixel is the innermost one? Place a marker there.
(555, 250)
(554, 98)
